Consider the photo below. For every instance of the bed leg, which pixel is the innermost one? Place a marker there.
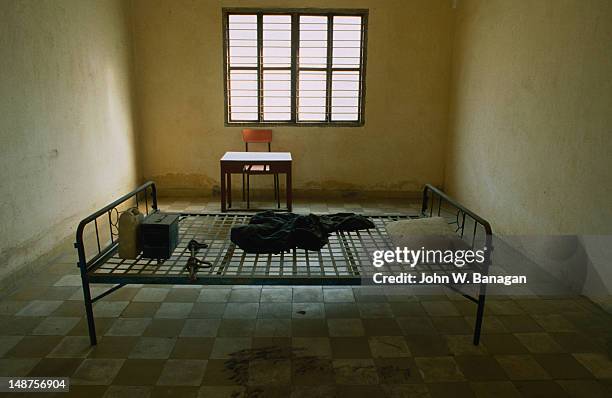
(89, 310)
(479, 315)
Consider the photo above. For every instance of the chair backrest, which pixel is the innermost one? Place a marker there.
(253, 136)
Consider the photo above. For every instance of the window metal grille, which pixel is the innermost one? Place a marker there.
(300, 67)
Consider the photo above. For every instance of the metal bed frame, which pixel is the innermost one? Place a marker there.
(346, 260)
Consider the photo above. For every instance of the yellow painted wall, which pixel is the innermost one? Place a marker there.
(530, 136)
(67, 142)
(179, 85)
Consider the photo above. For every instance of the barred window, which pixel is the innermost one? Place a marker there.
(299, 67)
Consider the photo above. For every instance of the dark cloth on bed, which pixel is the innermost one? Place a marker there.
(270, 232)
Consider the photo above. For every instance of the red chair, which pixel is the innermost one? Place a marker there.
(251, 136)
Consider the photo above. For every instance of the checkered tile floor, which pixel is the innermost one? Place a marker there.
(244, 341)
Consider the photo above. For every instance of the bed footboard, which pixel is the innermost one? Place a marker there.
(470, 227)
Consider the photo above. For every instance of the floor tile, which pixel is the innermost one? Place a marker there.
(584, 388)
(312, 347)
(382, 327)
(599, 365)
(152, 348)
(345, 327)
(308, 310)
(502, 344)
(174, 310)
(406, 391)
(214, 295)
(541, 343)
(427, 345)
(497, 389)
(440, 308)
(480, 368)
(17, 366)
(182, 372)
(192, 348)
(388, 347)
(39, 308)
(338, 295)
(236, 328)
(113, 347)
(207, 310)
(57, 326)
(309, 328)
(274, 310)
(160, 327)
(200, 328)
(416, 325)
(221, 392)
(11, 307)
(8, 342)
(33, 346)
(397, 371)
(151, 294)
(439, 369)
(450, 390)
(109, 309)
(140, 310)
(312, 371)
(464, 345)
(189, 295)
(96, 371)
(241, 310)
(117, 391)
(350, 347)
(375, 310)
(265, 372)
(71, 347)
(341, 310)
(273, 328)
(307, 294)
(562, 366)
(522, 367)
(225, 346)
(355, 371)
(244, 296)
(540, 388)
(139, 372)
(276, 295)
(219, 373)
(55, 367)
(575, 342)
(129, 327)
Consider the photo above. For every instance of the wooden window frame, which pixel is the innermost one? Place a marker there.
(295, 13)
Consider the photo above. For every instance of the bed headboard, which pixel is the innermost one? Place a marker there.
(100, 229)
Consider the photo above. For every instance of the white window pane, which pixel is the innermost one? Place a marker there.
(276, 95)
(345, 96)
(313, 42)
(311, 93)
(243, 116)
(277, 40)
(242, 95)
(347, 42)
(345, 114)
(344, 101)
(242, 32)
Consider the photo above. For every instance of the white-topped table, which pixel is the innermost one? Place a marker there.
(235, 162)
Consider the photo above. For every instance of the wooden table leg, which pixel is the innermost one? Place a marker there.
(289, 190)
(223, 192)
(229, 190)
